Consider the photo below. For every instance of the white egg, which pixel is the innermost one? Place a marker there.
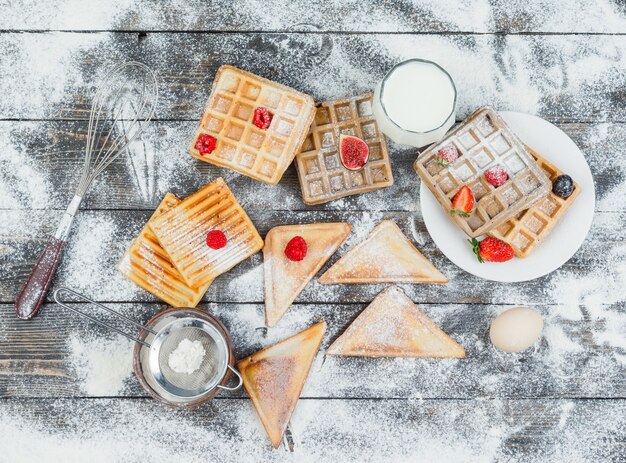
(516, 329)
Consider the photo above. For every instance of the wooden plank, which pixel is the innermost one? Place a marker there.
(371, 16)
(43, 161)
(563, 78)
(100, 238)
(323, 430)
(57, 354)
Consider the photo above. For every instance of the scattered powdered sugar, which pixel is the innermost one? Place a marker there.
(603, 16)
(95, 246)
(101, 364)
(597, 296)
(342, 431)
(43, 72)
(22, 183)
(248, 286)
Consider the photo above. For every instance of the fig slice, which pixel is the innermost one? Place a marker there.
(353, 152)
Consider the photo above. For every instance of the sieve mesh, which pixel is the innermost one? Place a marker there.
(203, 377)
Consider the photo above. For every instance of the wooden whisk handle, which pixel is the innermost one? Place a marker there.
(33, 293)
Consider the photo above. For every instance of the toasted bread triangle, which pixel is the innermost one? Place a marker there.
(393, 326)
(385, 256)
(274, 378)
(285, 279)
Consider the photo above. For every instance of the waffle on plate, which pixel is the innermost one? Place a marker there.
(484, 141)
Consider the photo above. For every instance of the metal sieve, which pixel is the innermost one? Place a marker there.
(159, 338)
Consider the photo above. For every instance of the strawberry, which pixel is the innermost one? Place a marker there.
(492, 250)
(496, 176)
(463, 202)
(447, 155)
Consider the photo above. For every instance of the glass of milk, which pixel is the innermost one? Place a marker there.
(415, 103)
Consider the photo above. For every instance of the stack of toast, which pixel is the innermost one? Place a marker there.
(171, 259)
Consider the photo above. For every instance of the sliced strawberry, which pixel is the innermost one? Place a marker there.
(492, 250)
(463, 202)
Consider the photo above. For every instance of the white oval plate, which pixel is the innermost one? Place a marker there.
(564, 239)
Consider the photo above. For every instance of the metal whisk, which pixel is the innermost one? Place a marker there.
(123, 105)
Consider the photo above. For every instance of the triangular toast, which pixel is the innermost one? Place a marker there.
(274, 378)
(393, 326)
(285, 279)
(385, 256)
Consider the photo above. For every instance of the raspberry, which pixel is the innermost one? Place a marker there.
(262, 118)
(205, 144)
(296, 249)
(447, 155)
(496, 175)
(216, 239)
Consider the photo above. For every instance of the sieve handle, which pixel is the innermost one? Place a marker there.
(239, 381)
(99, 322)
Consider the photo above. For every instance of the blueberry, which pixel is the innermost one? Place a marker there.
(563, 186)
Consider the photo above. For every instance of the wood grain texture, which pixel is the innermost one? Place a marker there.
(561, 401)
(546, 75)
(228, 431)
(101, 237)
(38, 360)
(139, 180)
(530, 16)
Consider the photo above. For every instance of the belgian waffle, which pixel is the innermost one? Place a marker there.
(525, 231)
(484, 140)
(182, 232)
(241, 146)
(322, 176)
(147, 264)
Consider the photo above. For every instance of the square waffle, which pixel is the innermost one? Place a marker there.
(147, 264)
(241, 146)
(530, 227)
(182, 232)
(484, 140)
(322, 176)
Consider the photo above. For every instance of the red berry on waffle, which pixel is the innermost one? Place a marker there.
(216, 239)
(262, 118)
(205, 144)
(496, 176)
(447, 155)
(463, 202)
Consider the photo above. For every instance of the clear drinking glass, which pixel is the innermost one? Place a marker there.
(435, 94)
